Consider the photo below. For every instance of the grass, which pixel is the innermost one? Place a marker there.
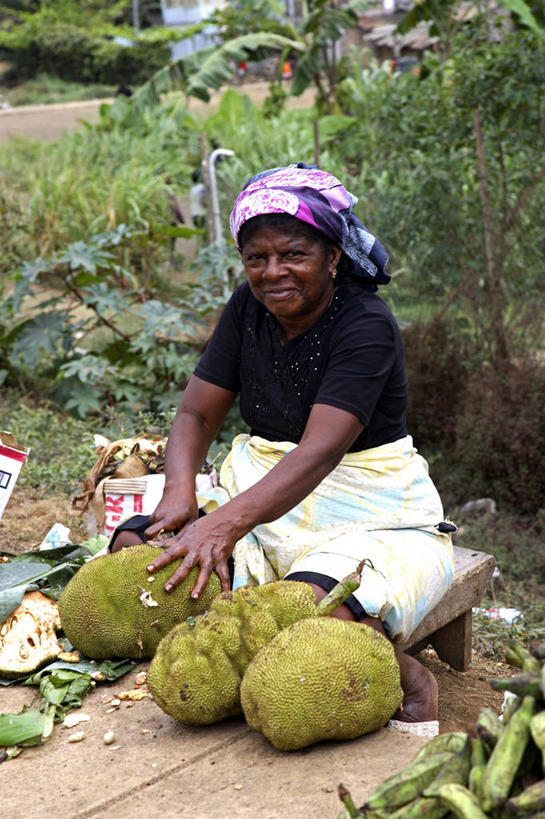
(45, 89)
(517, 544)
(61, 446)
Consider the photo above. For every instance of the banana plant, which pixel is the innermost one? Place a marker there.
(310, 43)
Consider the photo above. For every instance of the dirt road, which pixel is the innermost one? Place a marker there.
(51, 121)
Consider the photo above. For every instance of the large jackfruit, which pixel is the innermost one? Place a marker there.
(196, 671)
(27, 636)
(111, 609)
(322, 678)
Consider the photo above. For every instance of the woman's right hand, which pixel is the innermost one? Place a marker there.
(174, 512)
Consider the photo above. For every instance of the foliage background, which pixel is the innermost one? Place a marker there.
(107, 299)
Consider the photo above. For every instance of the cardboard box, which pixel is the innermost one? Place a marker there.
(12, 457)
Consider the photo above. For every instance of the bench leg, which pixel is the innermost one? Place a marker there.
(452, 642)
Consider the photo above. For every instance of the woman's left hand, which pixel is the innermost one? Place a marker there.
(207, 543)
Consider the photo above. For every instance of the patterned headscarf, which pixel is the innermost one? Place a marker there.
(318, 198)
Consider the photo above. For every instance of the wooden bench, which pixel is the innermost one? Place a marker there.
(448, 626)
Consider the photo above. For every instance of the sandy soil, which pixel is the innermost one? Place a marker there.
(157, 767)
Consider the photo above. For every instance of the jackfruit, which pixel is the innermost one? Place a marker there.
(113, 607)
(27, 636)
(321, 678)
(196, 672)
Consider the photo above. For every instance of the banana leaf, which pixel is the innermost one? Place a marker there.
(27, 728)
(48, 570)
(62, 688)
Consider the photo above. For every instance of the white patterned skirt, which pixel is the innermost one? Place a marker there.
(378, 504)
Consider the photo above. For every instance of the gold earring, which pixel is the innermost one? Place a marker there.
(333, 272)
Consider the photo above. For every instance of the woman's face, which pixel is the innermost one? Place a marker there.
(290, 274)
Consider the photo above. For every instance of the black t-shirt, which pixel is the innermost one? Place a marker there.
(352, 358)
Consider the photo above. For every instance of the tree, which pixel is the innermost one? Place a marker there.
(452, 163)
(448, 17)
(74, 40)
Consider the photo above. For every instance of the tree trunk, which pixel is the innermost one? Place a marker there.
(493, 267)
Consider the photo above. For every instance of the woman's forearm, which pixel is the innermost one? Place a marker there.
(187, 446)
(286, 485)
(200, 414)
(328, 437)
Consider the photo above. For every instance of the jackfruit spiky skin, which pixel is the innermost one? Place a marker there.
(321, 678)
(102, 613)
(196, 671)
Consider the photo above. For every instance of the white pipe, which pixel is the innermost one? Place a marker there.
(212, 156)
(217, 233)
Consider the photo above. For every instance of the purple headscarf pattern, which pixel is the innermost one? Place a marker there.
(319, 199)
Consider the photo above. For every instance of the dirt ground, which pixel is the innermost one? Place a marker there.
(157, 767)
(47, 122)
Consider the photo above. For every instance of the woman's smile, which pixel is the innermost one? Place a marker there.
(280, 294)
(290, 274)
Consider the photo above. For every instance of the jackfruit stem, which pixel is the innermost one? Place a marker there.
(342, 590)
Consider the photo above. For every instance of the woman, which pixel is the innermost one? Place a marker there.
(328, 475)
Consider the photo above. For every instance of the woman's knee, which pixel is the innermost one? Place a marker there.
(125, 538)
(342, 612)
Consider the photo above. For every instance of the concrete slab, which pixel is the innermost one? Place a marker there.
(159, 768)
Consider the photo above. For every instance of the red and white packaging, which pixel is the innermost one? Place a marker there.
(12, 457)
(125, 497)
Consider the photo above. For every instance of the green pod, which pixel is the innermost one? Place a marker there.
(519, 657)
(510, 707)
(350, 810)
(530, 800)
(512, 656)
(340, 592)
(461, 802)
(537, 729)
(506, 757)
(478, 765)
(406, 785)
(451, 742)
(525, 684)
(530, 663)
(456, 770)
(421, 808)
(489, 726)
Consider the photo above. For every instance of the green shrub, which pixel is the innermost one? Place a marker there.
(435, 355)
(479, 424)
(500, 447)
(78, 54)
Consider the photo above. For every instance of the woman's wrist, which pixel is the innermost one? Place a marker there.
(179, 486)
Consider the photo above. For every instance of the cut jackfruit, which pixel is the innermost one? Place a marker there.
(321, 678)
(27, 636)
